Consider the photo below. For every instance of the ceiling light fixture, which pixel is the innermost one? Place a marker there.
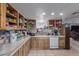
(61, 14)
(43, 13)
(52, 13)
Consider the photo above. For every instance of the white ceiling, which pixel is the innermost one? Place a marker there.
(34, 10)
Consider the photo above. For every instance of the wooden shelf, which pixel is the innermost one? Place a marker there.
(10, 7)
(8, 28)
(12, 22)
(56, 23)
(10, 15)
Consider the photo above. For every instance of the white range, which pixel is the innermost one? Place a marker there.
(54, 41)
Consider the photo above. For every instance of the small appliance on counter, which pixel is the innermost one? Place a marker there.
(53, 32)
(13, 36)
(30, 33)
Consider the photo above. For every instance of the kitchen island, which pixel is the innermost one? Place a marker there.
(45, 42)
(23, 46)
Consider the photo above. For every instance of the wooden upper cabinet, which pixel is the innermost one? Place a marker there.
(10, 17)
(55, 23)
(58, 24)
(2, 15)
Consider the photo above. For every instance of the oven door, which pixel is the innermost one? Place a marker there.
(54, 42)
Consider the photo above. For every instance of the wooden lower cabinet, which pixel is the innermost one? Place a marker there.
(61, 42)
(46, 43)
(16, 54)
(40, 43)
(24, 50)
(43, 43)
(34, 43)
(27, 47)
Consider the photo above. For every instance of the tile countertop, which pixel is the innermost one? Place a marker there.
(11, 48)
(48, 36)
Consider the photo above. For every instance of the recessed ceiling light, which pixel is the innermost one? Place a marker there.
(43, 13)
(61, 14)
(52, 13)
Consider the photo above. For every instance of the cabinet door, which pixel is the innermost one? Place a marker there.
(61, 42)
(24, 49)
(40, 43)
(34, 43)
(29, 44)
(43, 43)
(27, 47)
(20, 52)
(46, 43)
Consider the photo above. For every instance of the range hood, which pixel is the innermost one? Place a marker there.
(75, 13)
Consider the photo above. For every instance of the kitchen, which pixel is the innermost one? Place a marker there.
(20, 34)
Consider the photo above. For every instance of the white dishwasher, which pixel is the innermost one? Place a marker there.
(54, 42)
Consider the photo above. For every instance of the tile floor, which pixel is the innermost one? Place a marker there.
(53, 53)
(62, 52)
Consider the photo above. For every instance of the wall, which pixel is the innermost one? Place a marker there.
(73, 20)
